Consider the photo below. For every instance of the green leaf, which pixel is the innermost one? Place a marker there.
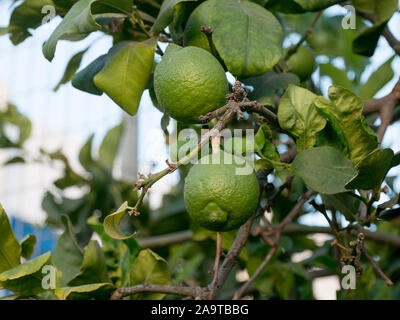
(365, 44)
(377, 80)
(338, 76)
(14, 160)
(25, 279)
(254, 44)
(324, 169)
(109, 147)
(268, 85)
(298, 115)
(264, 147)
(395, 160)
(149, 268)
(344, 112)
(344, 203)
(166, 15)
(28, 15)
(27, 245)
(10, 249)
(77, 24)
(112, 223)
(389, 215)
(71, 68)
(382, 11)
(93, 269)
(85, 154)
(316, 5)
(96, 291)
(12, 116)
(80, 21)
(68, 256)
(372, 170)
(126, 72)
(300, 6)
(83, 80)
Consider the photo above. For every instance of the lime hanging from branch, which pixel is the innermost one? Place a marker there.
(189, 82)
(217, 196)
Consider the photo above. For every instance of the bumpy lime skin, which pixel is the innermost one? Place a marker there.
(189, 82)
(217, 198)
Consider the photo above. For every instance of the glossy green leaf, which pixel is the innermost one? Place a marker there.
(344, 112)
(93, 269)
(95, 291)
(377, 80)
(365, 44)
(338, 76)
(299, 6)
(166, 15)
(264, 147)
(112, 223)
(10, 249)
(298, 115)
(28, 245)
(83, 80)
(395, 160)
(324, 169)
(25, 279)
(372, 170)
(80, 21)
(70, 70)
(77, 24)
(315, 5)
(28, 15)
(68, 256)
(149, 268)
(382, 10)
(109, 147)
(267, 86)
(126, 72)
(254, 44)
(342, 202)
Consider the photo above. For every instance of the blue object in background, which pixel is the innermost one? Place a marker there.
(46, 239)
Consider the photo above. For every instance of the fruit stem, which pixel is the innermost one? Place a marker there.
(208, 31)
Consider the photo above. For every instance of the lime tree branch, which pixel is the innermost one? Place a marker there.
(195, 292)
(237, 100)
(385, 106)
(166, 240)
(277, 232)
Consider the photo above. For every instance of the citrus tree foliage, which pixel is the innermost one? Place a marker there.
(315, 154)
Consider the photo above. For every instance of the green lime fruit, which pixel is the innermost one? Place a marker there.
(217, 197)
(189, 82)
(302, 63)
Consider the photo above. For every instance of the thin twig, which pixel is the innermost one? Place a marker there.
(309, 30)
(216, 264)
(278, 231)
(195, 292)
(377, 269)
